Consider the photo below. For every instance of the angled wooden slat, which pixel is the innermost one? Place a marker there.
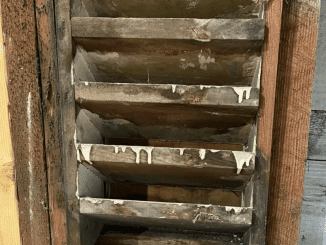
(171, 166)
(169, 28)
(167, 94)
(169, 215)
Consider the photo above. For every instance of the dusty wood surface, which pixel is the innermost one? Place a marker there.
(69, 158)
(167, 166)
(169, 215)
(317, 136)
(9, 214)
(312, 228)
(166, 9)
(51, 115)
(152, 28)
(168, 94)
(26, 122)
(164, 61)
(291, 121)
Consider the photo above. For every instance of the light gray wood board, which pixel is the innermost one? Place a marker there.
(319, 89)
(167, 94)
(169, 215)
(313, 215)
(167, 61)
(317, 135)
(170, 9)
(140, 237)
(169, 28)
(168, 166)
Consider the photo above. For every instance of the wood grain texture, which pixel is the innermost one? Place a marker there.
(51, 116)
(171, 28)
(9, 215)
(185, 216)
(313, 222)
(291, 122)
(26, 121)
(317, 136)
(162, 166)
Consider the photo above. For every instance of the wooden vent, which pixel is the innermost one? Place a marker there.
(161, 124)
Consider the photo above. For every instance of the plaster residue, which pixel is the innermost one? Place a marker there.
(204, 61)
(86, 151)
(93, 200)
(173, 88)
(30, 155)
(237, 210)
(202, 153)
(184, 66)
(242, 157)
(137, 150)
(118, 202)
(240, 91)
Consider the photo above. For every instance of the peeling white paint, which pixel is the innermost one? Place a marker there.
(173, 88)
(118, 202)
(30, 156)
(242, 157)
(240, 90)
(237, 210)
(202, 153)
(204, 61)
(93, 200)
(86, 151)
(204, 206)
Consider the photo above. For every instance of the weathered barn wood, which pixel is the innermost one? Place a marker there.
(168, 166)
(171, 28)
(167, 94)
(164, 61)
(169, 215)
(291, 122)
(167, 9)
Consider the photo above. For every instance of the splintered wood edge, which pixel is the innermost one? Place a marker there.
(203, 30)
(183, 94)
(210, 215)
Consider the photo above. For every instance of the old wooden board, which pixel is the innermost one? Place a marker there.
(167, 94)
(164, 61)
(171, 28)
(317, 136)
(131, 235)
(291, 122)
(168, 166)
(313, 222)
(167, 9)
(26, 121)
(169, 215)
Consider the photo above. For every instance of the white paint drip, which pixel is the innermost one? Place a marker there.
(86, 151)
(93, 200)
(202, 153)
(214, 151)
(30, 156)
(182, 150)
(118, 202)
(123, 148)
(116, 149)
(86, 83)
(77, 190)
(137, 150)
(72, 74)
(237, 210)
(149, 154)
(242, 157)
(77, 146)
(173, 88)
(240, 90)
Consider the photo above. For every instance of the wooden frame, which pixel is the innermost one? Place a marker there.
(57, 99)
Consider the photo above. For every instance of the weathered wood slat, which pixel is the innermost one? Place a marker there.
(168, 9)
(171, 166)
(170, 61)
(167, 94)
(169, 215)
(317, 136)
(169, 28)
(312, 228)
